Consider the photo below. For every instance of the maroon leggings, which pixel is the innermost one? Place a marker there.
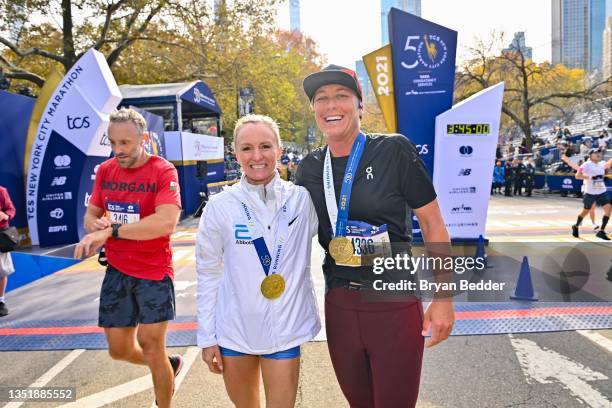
(376, 349)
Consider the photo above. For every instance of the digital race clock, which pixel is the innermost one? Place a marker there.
(468, 129)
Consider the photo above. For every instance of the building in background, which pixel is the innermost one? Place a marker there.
(364, 80)
(294, 15)
(607, 50)
(577, 33)
(410, 6)
(518, 44)
(219, 12)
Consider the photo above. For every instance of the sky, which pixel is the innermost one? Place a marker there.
(345, 30)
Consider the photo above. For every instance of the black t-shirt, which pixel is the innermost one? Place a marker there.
(390, 178)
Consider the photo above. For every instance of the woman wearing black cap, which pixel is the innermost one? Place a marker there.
(361, 186)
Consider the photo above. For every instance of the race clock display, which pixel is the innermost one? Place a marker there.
(468, 129)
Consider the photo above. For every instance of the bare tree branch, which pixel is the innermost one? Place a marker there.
(127, 39)
(31, 51)
(559, 108)
(110, 9)
(67, 28)
(18, 73)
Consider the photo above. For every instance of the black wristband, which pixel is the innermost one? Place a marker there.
(115, 228)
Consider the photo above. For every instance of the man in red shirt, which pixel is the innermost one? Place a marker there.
(7, 213)
(134, 208)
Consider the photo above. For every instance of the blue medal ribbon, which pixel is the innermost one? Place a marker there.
(347, 184)
(263, 254)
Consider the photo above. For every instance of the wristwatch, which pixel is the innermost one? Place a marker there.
(115, 228)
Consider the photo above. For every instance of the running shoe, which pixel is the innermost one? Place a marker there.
(602, 235)
(3, 309)
(575, 231)
(176, 361)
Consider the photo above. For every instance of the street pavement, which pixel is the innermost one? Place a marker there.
(554, 369)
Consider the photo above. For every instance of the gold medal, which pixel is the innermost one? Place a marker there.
(341, 249)
(272, 286)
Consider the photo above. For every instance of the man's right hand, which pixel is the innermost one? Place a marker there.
(212, 357)
(91, 243)
(100, 224)
(3, 216)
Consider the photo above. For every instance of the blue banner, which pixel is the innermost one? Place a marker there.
(14, 121)
(201, 95)
(156, 143)
(58, 195)
(423, 77)
(564, 182)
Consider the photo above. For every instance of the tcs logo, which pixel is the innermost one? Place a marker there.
(77, 122)
(422, 149)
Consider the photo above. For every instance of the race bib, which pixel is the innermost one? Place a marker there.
(598, 182)
(369, 242)
(123, 213)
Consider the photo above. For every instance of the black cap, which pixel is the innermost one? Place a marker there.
(332, 74)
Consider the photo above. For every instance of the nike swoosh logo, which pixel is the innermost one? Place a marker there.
(291, 222)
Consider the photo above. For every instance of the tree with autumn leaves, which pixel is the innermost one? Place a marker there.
(159, 41)
(533, 92)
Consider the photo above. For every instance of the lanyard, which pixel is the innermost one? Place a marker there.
(338, 211)
(263, 254)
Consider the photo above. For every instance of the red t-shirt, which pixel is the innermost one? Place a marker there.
(6, 206)
(129, 195)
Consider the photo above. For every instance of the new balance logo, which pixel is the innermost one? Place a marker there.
(58, 181)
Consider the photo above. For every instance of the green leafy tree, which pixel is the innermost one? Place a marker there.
(111, 27)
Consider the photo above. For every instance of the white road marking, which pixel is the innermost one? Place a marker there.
(597, 338)
(182, 285)
(113, 394)
(179, 254)
(133, 387)
(49, 375)
(546, 366)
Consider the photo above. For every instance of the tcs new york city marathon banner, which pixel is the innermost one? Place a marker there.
(423, 55)
(413, 80)
(70, 142)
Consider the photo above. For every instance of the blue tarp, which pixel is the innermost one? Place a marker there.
(196, 93)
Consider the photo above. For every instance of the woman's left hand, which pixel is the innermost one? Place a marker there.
(440, 317)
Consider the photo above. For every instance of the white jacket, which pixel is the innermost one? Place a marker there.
(232, 312)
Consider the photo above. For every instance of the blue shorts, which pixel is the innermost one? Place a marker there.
(279, 355)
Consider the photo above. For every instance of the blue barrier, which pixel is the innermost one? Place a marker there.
(30, 267)
(564, 182)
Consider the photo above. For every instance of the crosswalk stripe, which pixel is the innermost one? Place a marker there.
(597, 338)
(49, 375)
(113, 394)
